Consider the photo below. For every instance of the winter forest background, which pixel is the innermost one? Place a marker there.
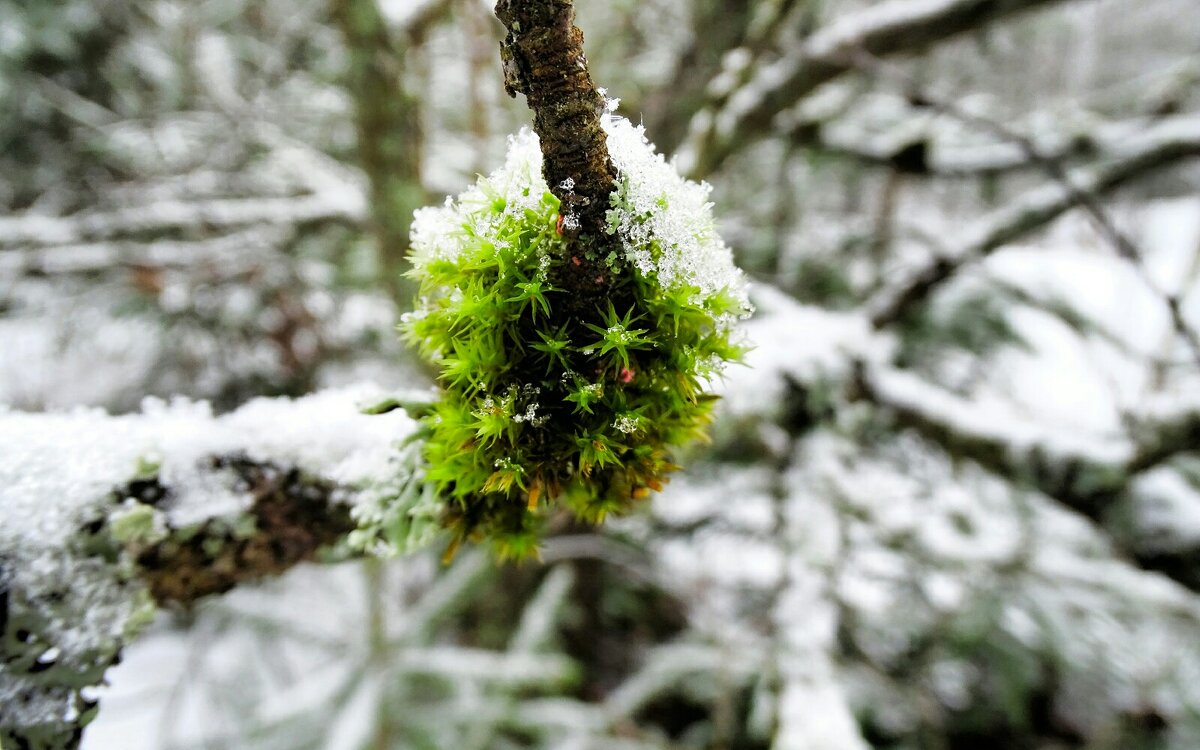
(952, 502)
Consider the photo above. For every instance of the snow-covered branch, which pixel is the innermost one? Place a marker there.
(232, 250)
(1161, 147)
(799, 381)
(169, 217)
(1088, 475)
(894, 27)
(915, 146)
(103, 517)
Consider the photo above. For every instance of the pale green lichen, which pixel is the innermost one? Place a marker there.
(137, 524)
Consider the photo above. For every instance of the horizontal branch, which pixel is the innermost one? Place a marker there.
(1161, 147)
(104, 517)
(891, 28)
(912, 149)
(235, 249)
(1087, 476)
(291, 515)
(173, 217)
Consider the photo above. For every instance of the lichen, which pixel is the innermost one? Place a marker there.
(102, 517)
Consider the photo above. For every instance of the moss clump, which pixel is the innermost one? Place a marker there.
(549, 395)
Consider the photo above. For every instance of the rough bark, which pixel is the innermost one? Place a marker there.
(293, 517)
(543, 59)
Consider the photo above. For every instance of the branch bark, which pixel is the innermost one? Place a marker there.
(543, 59)
(293, 515)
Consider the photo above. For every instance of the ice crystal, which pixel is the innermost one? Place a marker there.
(626, 423)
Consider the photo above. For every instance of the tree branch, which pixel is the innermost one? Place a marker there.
(543, 59)
(895, 27)
(931, 154)
(1087, 476)
(103, 517)
(165, 218)
(293, 515)
(1164, 146)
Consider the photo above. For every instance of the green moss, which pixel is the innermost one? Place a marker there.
(548, 399)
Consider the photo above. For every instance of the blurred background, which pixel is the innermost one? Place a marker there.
(953, 502)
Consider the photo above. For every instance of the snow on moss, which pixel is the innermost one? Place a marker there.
(622, 379)
(664, 221)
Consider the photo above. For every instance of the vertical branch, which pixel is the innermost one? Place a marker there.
(375, 577)
(477, 30)
(390, 135)
(543, 59)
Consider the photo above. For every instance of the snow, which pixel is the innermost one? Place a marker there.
(58, 470)
(666, 225)
(343, 203)
(664, 221)
(1168, 514)
(806, 342)
(993, 419)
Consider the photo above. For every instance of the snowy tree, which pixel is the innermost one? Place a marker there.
(950, 499)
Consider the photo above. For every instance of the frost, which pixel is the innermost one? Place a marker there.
(627, 423)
